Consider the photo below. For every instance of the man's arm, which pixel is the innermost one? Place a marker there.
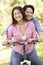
(38, 29)
(37, 25)
(6, 30)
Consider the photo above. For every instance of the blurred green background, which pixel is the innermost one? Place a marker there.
(5, 19)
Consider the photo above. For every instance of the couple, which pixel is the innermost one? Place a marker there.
(23, 30)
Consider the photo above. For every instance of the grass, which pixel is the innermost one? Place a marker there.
(5, 54)
(39, 49)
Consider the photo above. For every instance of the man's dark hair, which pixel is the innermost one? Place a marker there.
(28, 6)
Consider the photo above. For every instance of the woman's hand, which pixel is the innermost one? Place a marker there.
(30, 40)
(10, 41)
(4, 43)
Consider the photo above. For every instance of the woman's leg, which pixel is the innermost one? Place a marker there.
(16, 58)
(34, 58)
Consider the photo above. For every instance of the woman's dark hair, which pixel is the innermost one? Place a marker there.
(22, 12)
(28, 6)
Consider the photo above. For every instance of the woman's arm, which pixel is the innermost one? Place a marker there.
(34, 34)
(7, 37)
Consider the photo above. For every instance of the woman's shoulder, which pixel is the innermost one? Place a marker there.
(30, 23)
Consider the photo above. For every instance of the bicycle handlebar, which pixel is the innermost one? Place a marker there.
(34, 41)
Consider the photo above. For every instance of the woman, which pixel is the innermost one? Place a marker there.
(22, 31)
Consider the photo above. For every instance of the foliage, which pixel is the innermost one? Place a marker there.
(13, 2)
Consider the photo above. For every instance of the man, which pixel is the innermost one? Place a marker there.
(29, 11)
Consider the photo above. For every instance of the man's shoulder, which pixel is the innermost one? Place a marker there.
(34, 19)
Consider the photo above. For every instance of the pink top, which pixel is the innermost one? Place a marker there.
(30, 33)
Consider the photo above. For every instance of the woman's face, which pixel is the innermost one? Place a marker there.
(17, 15)
(29, 13)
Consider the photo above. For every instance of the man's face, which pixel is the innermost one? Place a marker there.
(29, 13)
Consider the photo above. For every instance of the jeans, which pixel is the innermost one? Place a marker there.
(34, 58)
(16, 58)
